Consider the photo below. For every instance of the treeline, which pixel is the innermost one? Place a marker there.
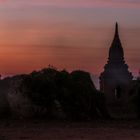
(54, 94)
(135, 96)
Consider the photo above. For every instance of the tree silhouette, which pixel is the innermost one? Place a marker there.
(60, 94)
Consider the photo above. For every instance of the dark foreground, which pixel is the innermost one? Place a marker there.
(44, 130)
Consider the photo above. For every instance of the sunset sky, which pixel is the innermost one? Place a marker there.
(70, 34)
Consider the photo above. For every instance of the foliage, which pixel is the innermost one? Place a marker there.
(135, 95)
(63, 94)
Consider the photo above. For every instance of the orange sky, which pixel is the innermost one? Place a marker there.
(66, 34)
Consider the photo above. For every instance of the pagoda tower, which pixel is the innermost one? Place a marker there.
(115, 79)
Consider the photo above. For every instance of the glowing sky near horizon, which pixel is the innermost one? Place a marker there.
(70, 34)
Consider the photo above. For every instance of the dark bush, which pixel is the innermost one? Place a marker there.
(135, 96)
(63, 95)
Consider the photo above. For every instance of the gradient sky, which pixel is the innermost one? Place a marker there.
(70, 34)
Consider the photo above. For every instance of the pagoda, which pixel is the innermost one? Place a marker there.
(115, 80)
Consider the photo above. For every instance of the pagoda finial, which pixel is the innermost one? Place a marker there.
(116, 30)
(116, 51)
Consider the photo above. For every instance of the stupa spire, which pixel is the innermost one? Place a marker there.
(116, 51)
(116, 30)
(116, 35)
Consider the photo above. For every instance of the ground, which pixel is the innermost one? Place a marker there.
(95, 130)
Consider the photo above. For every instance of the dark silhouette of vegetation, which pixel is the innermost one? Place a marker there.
(135, 95)
(4, 105)
(59, 94)
(53, 94)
